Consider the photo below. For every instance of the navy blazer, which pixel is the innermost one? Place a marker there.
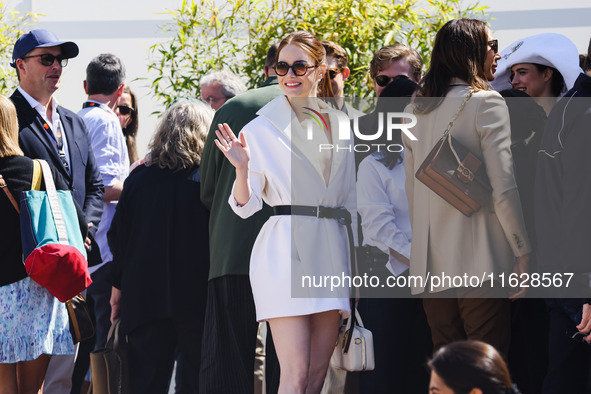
(85, 182)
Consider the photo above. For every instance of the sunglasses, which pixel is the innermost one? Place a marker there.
(333, 72)
(577, 337)
(299, 68)
(124, 109)
(47, 59)
(384, 80)
(494, 45)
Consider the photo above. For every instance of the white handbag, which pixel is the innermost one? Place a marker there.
(354, 348)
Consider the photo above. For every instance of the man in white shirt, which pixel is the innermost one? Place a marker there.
(104, 85)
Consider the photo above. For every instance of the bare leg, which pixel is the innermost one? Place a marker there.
(291, 336)
(8, 379)
(304, 345)
(30, 374)
(324, 333)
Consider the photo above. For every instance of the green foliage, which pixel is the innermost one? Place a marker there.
(237, 34)
(11, 24)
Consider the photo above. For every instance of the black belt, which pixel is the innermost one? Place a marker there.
(343, 216)
(340, 214)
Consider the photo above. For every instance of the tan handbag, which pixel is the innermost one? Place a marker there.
(455, 174)
(108, 366)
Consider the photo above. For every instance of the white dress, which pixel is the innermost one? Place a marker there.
(296, 259)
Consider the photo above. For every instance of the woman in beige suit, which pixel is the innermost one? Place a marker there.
(451, 249)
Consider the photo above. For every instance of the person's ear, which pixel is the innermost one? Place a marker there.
(120, 89)
(346, 72)
(85, 87)
(20, 65)
(548, 72)
(322, 68)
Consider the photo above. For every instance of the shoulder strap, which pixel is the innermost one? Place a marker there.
(56, 210)
(36, 181)
(449, 126)
(4, 187)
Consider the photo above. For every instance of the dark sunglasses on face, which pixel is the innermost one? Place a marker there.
(47, 59)
(299, 68)
(383, 80)
(124, 109)
(494, 45)
(333, 72)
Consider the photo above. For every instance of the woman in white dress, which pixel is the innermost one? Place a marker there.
(278, 162)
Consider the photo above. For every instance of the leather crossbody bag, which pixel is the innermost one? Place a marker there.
(456, 174)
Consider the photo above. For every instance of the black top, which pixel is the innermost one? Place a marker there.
(563, 190)
(17, 171)
(159, 240)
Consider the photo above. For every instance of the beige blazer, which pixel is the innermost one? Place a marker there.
(444, 240)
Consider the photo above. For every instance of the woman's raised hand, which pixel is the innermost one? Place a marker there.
(236, 150)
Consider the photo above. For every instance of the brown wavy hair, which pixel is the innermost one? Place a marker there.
(459, 51)
(130, 131)
(313, 47)
(180, 136)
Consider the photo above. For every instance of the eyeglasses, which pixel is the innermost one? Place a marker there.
(299, 68)
(125, 109)
(494, 45)
(47, 59)
(333, 72)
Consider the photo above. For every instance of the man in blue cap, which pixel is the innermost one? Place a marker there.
(50, 132)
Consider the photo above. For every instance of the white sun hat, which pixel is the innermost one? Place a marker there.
(547, 49)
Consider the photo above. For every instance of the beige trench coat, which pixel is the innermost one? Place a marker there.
(444, 240)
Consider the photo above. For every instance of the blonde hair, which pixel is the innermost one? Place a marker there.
(180, 136)
(8, 129)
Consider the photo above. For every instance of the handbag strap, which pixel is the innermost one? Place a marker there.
(449, 126)
(36, 181)
(56, 210)
(4, 187)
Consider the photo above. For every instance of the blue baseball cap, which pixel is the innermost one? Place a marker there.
(41, 38)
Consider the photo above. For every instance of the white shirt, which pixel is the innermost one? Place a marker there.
(383, 206)
(55, 124)
(108, 144)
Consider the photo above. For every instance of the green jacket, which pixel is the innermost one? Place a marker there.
(230, 237)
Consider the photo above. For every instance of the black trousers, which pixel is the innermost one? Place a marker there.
(229, 340)
(568, 365)
(152, 348)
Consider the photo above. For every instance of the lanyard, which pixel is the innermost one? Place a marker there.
(58, 138)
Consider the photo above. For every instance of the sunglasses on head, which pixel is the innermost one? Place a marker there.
(333, 72)
(299, 68)
(494, 45)
(47, 59)
(124, 109)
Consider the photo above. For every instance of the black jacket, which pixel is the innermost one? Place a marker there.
(85, 182)
(160, 245)
(563, 189)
